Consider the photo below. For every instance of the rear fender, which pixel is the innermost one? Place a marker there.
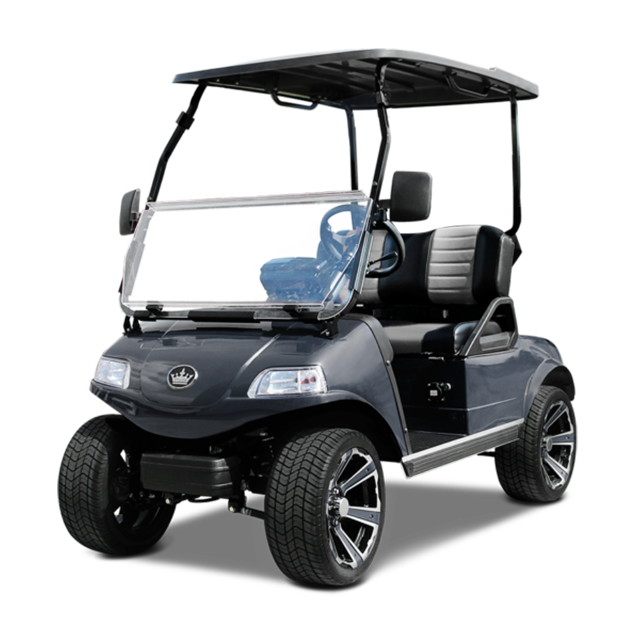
(549, 373)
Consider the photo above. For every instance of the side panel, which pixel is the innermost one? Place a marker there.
(485, 391)
(499, 386)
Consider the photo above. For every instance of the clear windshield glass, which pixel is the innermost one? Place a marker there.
(260, 254)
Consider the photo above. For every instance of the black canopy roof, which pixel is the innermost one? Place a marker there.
(363, 79)
(348, 79)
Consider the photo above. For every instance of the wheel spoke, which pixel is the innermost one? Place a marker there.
(127, 516)
(561, 410)
(547, 476)
(343, 463)
(557, 468)
(354, 553)
(566, 438)
(354, 508)
(359, 477)
(368, 516)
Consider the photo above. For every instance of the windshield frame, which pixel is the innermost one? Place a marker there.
(354, 270)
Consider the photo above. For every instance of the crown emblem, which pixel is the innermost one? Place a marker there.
(181, 377)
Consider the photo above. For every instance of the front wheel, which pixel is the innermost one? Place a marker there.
(102, 502)
(324, 508)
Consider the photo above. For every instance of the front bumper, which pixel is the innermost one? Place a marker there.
(206, 476)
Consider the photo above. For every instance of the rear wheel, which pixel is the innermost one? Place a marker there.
(324, 508)
(102, 503)
(538, 466)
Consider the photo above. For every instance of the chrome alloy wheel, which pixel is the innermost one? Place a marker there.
(557, 445)
(353, 508)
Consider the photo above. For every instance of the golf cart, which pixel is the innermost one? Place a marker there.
(323, 343)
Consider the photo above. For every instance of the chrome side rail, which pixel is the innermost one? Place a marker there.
(470, 445)
(473, 345)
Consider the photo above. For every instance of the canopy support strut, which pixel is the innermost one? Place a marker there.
(516, 166)
(385, 143)
(183, 123)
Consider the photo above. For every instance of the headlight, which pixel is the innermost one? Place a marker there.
(279, 382)
(113, 373)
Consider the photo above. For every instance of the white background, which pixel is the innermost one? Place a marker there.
(51, 269)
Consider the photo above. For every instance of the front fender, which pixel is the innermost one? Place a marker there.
(355, 366)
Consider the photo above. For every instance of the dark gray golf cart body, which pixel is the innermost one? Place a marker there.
(430, 374)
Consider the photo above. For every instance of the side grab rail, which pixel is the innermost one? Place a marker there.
(508, 337)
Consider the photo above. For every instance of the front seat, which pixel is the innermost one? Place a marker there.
(450, 276)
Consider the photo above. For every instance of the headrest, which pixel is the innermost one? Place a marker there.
(411, 196)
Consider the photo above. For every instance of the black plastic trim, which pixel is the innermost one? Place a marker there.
(191, 475)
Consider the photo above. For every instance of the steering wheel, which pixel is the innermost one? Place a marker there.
(334, 243)
(399, 254)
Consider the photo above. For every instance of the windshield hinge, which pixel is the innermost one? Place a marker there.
(150, 313)
(131, 328)
(154, 308)
(380, 213)
(330, 328)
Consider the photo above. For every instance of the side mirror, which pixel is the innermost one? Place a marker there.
(129, 213)
(411, 196)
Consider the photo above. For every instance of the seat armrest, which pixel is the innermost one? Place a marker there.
(479, 344)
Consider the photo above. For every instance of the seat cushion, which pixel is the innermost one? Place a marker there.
(407, 337)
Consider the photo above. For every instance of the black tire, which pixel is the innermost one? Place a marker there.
(324, 507)
(538, 466)
(101, 501)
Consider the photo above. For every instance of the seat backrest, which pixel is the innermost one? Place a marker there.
(457, 265)
(452, 266)
(411, 199)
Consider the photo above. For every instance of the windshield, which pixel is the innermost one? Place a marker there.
(271, 255)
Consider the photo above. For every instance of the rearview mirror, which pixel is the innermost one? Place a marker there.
(129, 212)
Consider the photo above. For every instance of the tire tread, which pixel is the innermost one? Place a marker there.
(84, 498)
(294, 517)
(518, 463)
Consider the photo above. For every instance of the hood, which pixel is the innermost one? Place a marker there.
(217, 355)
